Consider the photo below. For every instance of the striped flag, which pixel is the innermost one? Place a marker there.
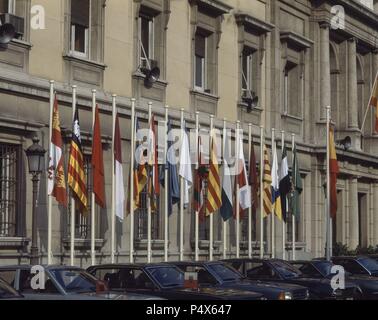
(200, 174)
(285, 184)
(76, 174)
(56, 179)
(267, 182)
(153, 186)
(374, 101)
(242, 180)
(214, 196)
(253, 178)
(276, 197)
(334, 170)
(118, 171)
(185, 170)
(98, 163)
(227, 208)
(140, 169)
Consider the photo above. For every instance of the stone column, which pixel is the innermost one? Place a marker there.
(325, 71)
(352, 85)
(375, 215)
(353, 213)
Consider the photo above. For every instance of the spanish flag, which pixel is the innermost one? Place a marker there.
(76, 174)
(334, 170)
(140, 167)
(374, 101)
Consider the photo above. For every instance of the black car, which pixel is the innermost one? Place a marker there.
(7, 292)
(322, 269)
(359, 265)
(220, 275)
(276, 270)
(162, 280)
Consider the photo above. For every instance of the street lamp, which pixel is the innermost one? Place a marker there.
(36, 158)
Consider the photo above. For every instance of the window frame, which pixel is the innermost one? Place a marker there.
(248, 75)
(87, 37)
(204, 65)
(151, 39)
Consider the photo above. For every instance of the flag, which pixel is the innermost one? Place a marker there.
(253, 178)
(285, 183)
(118, 172)
(242, 180)
(153, 186)
(267, 181)
(185, 170)
(276, 197)
(98, 163)
(214, 196)
(140, 169)
(334, 170)
(76, 173)
(200, 176)
(56, 179)
(226, 208)
(173, 180)
(296, 185)
(374, 101)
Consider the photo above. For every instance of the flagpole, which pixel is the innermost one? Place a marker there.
(93, 203)
(328, 240)
(283, 220)
(368, 106)
(261, 192)
(49, 197)
(182, 197)
(112, 227)
(72, 248)
(149, 252)
(292, 214)
(250, 208)
(237, 190)
(196, 223)
(132, 144)
(166, 186)
(224, 156)
(211, 237)
(273, 231)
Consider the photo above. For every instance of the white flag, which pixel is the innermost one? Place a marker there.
(185, 170)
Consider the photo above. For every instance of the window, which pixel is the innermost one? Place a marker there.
(200, 62)
(249, 72)
(146, 38)
(80, 22)
(292, 89)
(9, 180)
(8, 276)
(8, 6)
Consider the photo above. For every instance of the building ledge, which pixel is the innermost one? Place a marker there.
(71, 57)
(141, 244)
(261, 27)
(286, 115)
(83, 244)
(216, 7)
(20, 125)
(13, 242)
(295, 40)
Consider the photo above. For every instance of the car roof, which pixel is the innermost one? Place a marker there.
(47, 267)
(250, 259)
(129, 265)
(194, 263)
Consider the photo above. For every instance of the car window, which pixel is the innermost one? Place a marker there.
(286, 270)
(261, 270)
(6, 291)
(369, 264)
(352, 266)
(225, 272)
(204, 277)
(8, 276)
(134, 279)
(167, 277)
(25, 284)
(308, 270)
(110, 276)
(74, 280)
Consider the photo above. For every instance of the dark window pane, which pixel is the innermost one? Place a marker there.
(145, 38)
(80, 41)
(80, 12)
(200, 46)
(199, 71)
(4, 5)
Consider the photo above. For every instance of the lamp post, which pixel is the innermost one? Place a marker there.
(36, 157)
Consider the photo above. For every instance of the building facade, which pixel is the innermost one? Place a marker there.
(297, 56)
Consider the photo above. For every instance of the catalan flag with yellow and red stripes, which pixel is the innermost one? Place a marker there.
(267, 185)
(76, 173)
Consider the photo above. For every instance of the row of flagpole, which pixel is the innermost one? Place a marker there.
(182, 183)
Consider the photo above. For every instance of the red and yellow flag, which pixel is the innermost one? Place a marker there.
(374, 101)
(267, 185)
(334, 170)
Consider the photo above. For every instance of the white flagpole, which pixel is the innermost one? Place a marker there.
(211, 236)
(132, 143)
(166, 186)
(292, 215)
(73, 209)
(49, 197)
(328, 222)
(283, 221)
(237, 188)
(261, 192)
(149, 252)
(224, 222)
(368, 106)
(182, 198)
(113, 214)
(273, 231)
(196, 231)
(93, 202)
(250, 208)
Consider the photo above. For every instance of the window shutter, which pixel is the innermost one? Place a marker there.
(80, 12)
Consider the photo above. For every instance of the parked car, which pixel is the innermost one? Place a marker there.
(62, 283)
(7, 292)
(322, 269)
(360, 265)
(162, 280)
(276, 270)
(220, 275)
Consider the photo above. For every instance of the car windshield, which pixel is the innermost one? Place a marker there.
(225, 272)
(369, 264)
(74, 281)
(7, 292)
(167, 277)
(286, 270)
(324, 267)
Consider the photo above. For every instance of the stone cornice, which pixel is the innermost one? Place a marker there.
(295, 40)
(261, 27)
(217, 7)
